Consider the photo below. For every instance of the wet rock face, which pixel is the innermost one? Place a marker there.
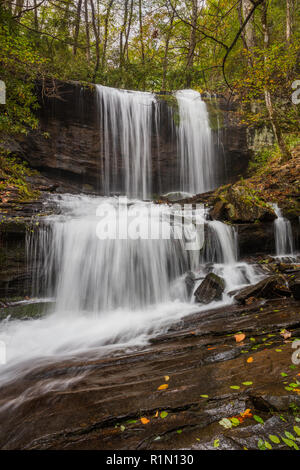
(294, 285)
(68, 142)
(211, 288)
(102, 408)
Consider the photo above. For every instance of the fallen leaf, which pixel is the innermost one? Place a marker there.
(285, 334)
(163, 414)
(216, 443)
(163, 387)
(156, 415)
(226, 423)
(240, 337)
(166, 377)
(249, 360)
(258, 419)
(246, 414)
(145, 420)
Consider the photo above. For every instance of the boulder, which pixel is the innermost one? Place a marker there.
(269, 288)
(210, 289)
(294, 285)
(239, 203)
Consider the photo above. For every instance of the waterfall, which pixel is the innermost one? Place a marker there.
(97, 275)
(125, 124)
(222, 251)
(284, 243)
(110, 290)
(129, 141)
(197, 165)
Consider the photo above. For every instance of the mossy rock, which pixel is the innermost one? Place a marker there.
(240, 203)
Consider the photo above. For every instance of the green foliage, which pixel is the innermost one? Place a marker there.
(20, 66)
(13, 176)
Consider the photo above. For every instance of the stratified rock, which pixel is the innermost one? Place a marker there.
(269, 288)
(211, 288)
(294, 285)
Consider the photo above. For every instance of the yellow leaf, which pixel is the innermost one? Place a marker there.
(250, 359)
(163, 387)
(145, 420)
(156, 415)
(166, 378)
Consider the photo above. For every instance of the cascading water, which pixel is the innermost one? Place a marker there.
(126, 123)
(197, 170)
(284, 243)
(117, 291)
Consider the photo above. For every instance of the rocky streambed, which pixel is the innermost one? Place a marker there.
(225, 378)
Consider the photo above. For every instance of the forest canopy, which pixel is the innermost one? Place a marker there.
(248, 48)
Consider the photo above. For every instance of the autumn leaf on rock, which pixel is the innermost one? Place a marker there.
(145, 420)
(249, 360)
(239, 337)
(163, 387)
(285, 334)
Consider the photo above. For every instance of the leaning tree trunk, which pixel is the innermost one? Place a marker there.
(192, 44)
(77, 25)
(286, 155)
(289, 15)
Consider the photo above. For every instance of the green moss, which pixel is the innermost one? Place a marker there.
(13, 175)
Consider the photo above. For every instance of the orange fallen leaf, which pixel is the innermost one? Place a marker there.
(246, 414)
(156, 415)
(145, 420)
(249, 360)
(163, 387)
(209, 349)
(239, 337)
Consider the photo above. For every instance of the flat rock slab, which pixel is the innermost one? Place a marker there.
(98, 404)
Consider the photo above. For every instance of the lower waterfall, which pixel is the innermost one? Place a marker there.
(114, 294)
(284, 243)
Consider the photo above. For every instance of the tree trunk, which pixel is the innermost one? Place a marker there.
(141, 32)
(289, 21)
(77, 25)
(97, 40)
(268, 98)
(87, 31)
(122, 32)
(126, 49)
(106, 22)
(165, 60)
(192, 43)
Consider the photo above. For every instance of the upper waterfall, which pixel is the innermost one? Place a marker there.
(126, 121)
(130, 127)
(197, 166)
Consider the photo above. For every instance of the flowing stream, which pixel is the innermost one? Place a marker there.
(114, 268)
